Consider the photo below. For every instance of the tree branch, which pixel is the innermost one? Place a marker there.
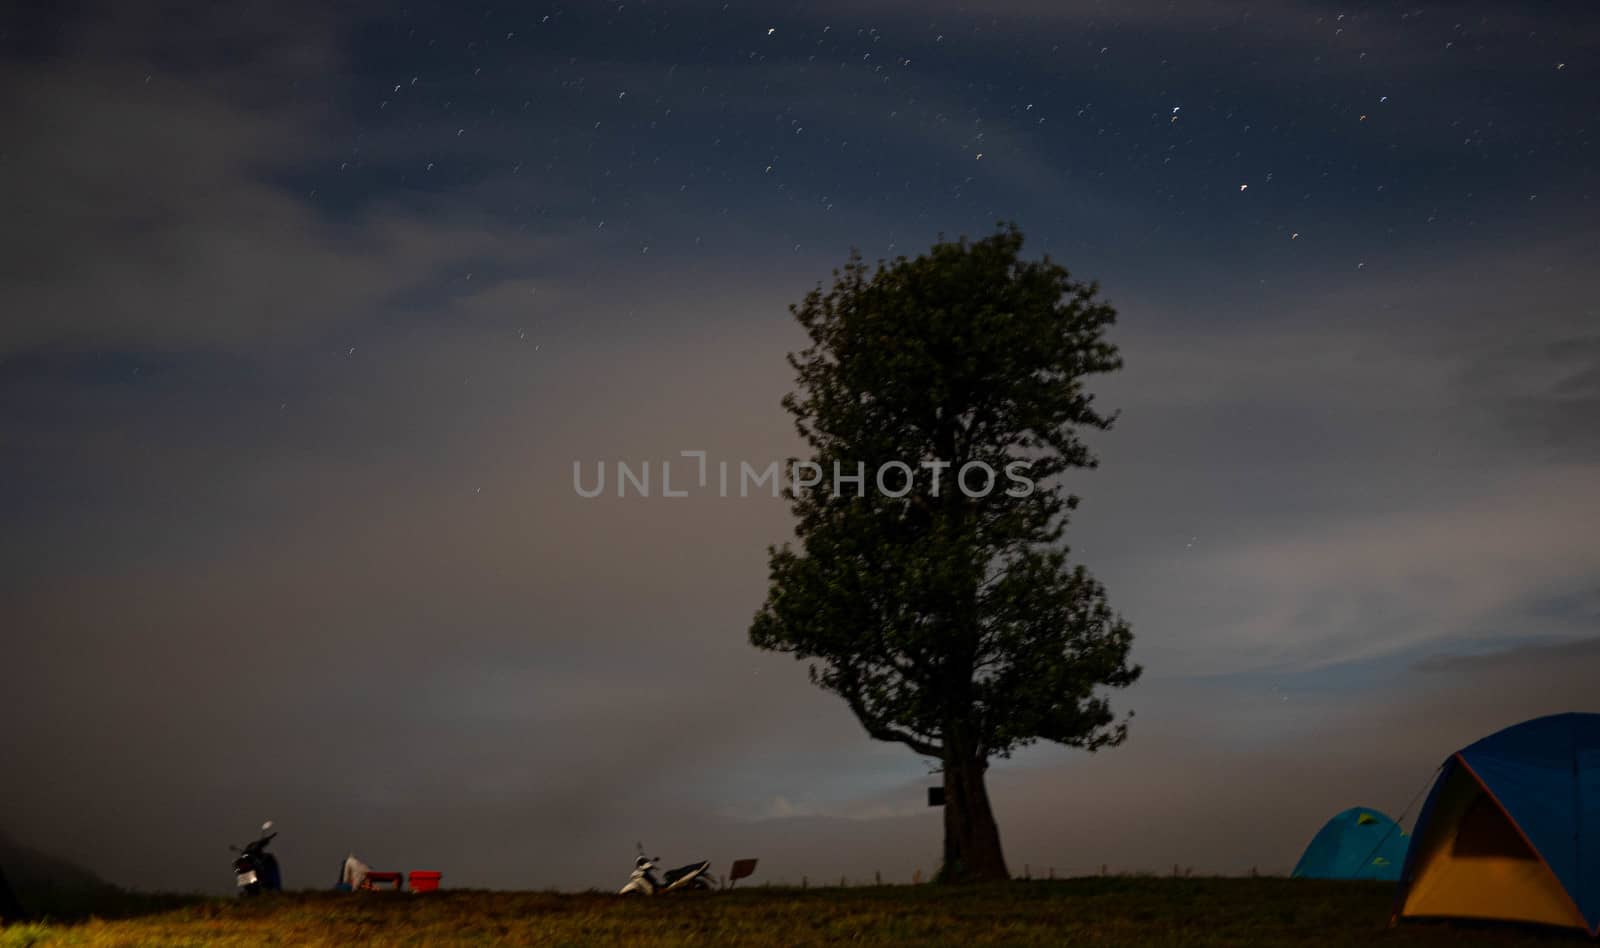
(879, 731)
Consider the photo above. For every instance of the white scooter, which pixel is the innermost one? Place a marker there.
(693, 877)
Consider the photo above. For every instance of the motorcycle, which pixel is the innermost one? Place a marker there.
(255, 870)
(695, 877)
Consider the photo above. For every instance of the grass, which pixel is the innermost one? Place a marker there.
(1107, 911)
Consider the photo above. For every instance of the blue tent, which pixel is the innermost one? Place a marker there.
(1511, 829)
(1359, 843)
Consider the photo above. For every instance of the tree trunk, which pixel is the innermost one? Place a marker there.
(971, 836)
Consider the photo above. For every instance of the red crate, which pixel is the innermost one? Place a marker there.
(425, 881)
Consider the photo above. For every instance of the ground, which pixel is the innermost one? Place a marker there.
(1111, 911)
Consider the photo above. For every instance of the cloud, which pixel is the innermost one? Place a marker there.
(1346, 476)
(517, 684)
(1520, 658)
(151, 204)
(1393, 583)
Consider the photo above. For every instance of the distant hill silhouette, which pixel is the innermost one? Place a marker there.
(10, 909)
(45, 885)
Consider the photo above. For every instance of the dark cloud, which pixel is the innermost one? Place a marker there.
(158, 229)
(1535, 658)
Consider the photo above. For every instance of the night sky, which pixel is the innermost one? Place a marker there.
(307, 311)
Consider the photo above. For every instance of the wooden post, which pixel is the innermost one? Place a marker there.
(916, 877)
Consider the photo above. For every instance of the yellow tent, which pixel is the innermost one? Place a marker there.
(1503, 834)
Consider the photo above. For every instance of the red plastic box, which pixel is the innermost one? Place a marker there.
(425, 881)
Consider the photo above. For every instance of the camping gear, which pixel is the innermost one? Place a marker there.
(424, 881)
(1511, 829)
(255, 870)
(375, 878)
(1359, 843)
(352, 874)
(696, 876)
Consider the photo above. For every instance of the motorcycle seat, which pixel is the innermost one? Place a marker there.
(678, 873)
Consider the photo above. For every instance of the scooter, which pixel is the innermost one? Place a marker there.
(255, 870)
(693, 877)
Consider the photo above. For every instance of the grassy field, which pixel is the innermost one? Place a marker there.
(1108, 911)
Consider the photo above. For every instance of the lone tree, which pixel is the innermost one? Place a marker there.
(946, 615)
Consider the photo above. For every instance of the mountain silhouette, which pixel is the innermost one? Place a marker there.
(44, 885)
